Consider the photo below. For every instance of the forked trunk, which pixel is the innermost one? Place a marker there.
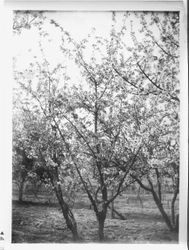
(172, 223)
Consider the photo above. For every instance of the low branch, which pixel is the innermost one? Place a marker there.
(123, 178)
(117, 213)
(158, 183)
(140, 183)
(151, 184)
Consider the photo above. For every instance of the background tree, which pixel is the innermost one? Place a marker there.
(160, 158)
(22, 163)
(45, 145)
(150, 68)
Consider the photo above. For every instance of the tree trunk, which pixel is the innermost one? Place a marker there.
(173, 212)
(101, 219)
(138, 197)
(101, 229)
(66, 211)
(68, 215)
(112, 207)
(174, 218)
(162, 211)
(71, 223)
(157, 200)
(21, 190)
(176, 229)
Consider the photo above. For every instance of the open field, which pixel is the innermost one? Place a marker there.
(41, 223)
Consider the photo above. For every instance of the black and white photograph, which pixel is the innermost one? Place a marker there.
(95, 126)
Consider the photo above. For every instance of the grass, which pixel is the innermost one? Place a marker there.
(37, 222)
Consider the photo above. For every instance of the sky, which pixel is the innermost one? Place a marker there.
(79, 25)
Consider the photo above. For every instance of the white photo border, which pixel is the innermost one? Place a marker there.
(7, 48)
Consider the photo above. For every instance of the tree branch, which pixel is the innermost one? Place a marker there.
(123, 178)
(124, 78)
(76, 167)
(157, 86)
(167, 53)
(87, 143)
(159, 183)
(140, 183)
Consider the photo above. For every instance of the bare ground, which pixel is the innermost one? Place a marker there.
(39, 223)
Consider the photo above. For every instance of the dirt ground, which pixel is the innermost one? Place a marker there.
(40, 223)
